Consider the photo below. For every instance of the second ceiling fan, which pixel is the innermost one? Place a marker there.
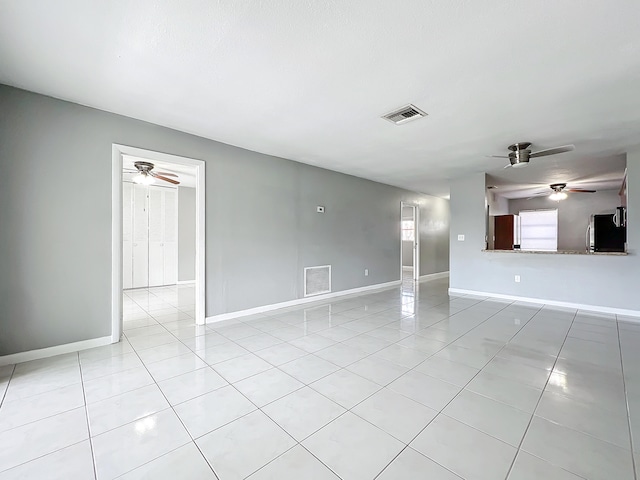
(559, 191)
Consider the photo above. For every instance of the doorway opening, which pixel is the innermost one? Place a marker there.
(158, 214)
(410, 242)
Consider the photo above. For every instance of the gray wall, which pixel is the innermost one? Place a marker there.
(55, 246)
(573, 213)
(186, 234)
(610, 281)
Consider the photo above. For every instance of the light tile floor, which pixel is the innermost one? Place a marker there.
(404, 383)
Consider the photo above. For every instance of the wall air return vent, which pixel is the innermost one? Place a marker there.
(404, 115)
(317, 280)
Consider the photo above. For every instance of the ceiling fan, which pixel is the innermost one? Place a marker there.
(520, 153)
(146, 175)
(559, 191)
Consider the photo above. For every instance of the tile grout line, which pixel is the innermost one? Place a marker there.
(86, 416)
(626, 402)
(176, 415)
(4, 394)
(440, 412)
(533, 414)
(347, 410)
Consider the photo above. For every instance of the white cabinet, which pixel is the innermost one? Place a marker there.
(127, 235)
(149, 236)
(140, 247)
(163, 225)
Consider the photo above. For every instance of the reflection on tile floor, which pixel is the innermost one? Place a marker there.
(404, 383)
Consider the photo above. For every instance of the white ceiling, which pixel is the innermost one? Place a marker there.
(186, 174)
(309, 79)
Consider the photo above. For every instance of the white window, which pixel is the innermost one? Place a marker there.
(408, 230)
(539, 230)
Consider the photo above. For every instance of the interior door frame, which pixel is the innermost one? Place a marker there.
(416, 239)
(116, 230)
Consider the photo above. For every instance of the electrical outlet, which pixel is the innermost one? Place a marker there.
(517, 279)
(320, 209)
(366, 272)
(461, 238)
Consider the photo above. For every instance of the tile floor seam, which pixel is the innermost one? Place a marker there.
(86, 415)
(533, 415)
(44, 455)
(4, 394)
(536, 325)
(177, 416)
(626, 403)
(440, 412)
(348, 410)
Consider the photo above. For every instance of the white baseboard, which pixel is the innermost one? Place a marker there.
(185, 282)
(53, 351)
(433, 276)
(299, 301)
(553, 303)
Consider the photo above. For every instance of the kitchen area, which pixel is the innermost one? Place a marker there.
(586, 217)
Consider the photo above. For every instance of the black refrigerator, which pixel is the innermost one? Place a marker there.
(605, 236)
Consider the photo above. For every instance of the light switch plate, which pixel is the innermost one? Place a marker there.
(517, 279)
(461, 238)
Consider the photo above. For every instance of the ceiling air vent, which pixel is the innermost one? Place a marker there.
(404, 115)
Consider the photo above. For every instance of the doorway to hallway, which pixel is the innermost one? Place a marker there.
(410, 244)
(158, 237)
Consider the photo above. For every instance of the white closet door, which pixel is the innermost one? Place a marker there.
(156, 254)
(127, 235)
(170, 236)
(140, 257)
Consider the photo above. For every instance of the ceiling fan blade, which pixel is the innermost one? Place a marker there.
(579, 190)
(507, 165)
(160, 177)
(167, 174)
(497, 156)
(552, 151)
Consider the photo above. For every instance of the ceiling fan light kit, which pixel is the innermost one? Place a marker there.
(144, 179)
(557, 196)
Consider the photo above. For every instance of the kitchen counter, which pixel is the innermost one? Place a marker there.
(559, 252)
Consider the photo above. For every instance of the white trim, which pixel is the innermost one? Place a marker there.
(300, 301)
(416, 238)
(53, 351)
(553, 303)
(116, 244)
(405, 268)
(434, 276)
(116, 230)
(185, 282)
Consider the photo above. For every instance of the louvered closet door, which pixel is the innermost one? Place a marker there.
(127, 235)
(140, 257)
(170, 236)
(156, 251)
